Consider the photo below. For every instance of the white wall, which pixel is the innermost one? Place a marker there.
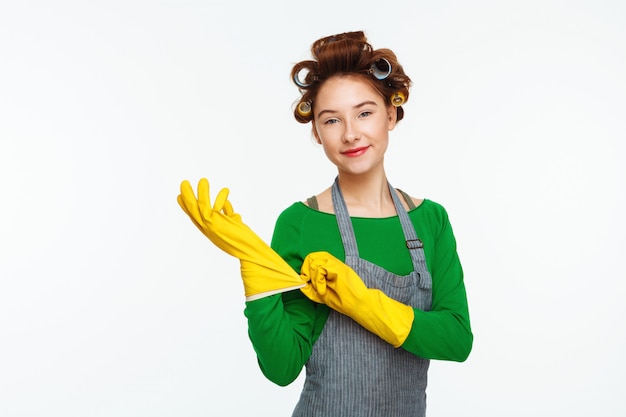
(113, 304)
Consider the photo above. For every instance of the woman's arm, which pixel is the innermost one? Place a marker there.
(282, 328)
(444, 332)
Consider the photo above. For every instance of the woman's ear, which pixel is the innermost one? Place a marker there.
(315, 134)
(392, 114)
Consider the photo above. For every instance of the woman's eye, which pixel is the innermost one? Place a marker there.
(331, 121)
(365, 114)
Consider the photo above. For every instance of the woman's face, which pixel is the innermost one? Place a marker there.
(352, 121)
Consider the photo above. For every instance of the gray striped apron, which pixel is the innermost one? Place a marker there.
(352, 372)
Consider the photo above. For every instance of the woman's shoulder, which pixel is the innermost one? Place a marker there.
(431, 215)
(295, 207)
(299, 212)
(299, 220)
(296, 210)
(428, 207)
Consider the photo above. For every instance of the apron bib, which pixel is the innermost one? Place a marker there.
(352, 372)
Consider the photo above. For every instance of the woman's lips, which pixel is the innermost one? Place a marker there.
(355, 152)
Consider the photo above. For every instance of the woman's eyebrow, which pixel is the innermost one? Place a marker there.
(358, 106)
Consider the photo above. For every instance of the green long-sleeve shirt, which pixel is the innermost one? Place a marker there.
(284, 327)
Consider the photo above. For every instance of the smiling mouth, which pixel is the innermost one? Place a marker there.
(356, 151)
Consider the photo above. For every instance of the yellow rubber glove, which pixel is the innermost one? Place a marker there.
(263, 271)
(335, 284)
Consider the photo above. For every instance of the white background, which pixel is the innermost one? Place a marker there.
(113, 304)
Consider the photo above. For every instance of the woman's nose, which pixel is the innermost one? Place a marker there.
(350, 133)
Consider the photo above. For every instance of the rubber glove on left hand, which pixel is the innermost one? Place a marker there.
(263, 271)
(335, 284)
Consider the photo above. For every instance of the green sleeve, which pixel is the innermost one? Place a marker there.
(444, 332)
(281, 328)
(284, 327)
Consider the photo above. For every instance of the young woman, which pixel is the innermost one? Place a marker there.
(379, 287)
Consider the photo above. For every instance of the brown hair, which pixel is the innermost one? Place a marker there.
(342, 54)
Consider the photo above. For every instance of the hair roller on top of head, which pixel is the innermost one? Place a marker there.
(380, 69)
(344, 54)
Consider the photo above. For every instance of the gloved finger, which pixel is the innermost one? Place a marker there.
(320, 280)
(313, 289)
(182, 205)
(189, 201)
(221, 199)
(305, 269)
(312, 273)
(312, 294)
(332, 266)
(204, 198)
(230, 212)
(228, 209)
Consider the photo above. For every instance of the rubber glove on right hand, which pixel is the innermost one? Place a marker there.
(335, 284)
(263, 271)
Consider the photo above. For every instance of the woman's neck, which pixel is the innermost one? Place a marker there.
(367, 195)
